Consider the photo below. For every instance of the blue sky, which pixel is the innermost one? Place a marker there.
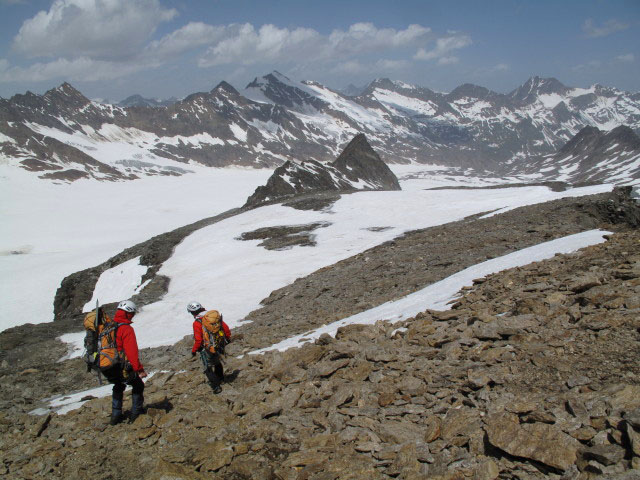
(160, 48)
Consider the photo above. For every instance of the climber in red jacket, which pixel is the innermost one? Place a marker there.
(211, 360)
(130, 371)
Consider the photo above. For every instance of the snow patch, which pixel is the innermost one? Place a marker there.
(238, 132)
(438, 295)
(118, 283)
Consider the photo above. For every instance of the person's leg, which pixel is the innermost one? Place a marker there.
(137, 397)
(211, 376)
(116, 402)
(219, 371)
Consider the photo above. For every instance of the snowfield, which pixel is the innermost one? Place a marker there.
(48, 231)
(217, 269)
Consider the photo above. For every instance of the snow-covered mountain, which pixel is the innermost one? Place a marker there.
(140, 101)
(594, 155)
(63, 135)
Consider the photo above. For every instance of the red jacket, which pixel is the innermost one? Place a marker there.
(197, 334)
(126, 339)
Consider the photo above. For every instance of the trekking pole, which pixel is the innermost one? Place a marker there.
(97, 322)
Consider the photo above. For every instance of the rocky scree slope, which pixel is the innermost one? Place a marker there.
(62, 135)
(358, 167)
(533, 373)
(30, 370)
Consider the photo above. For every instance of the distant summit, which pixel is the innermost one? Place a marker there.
(140, 101)
(352, 90)
(593, 155)
(536, 86)
(278, 89)
(358, 167)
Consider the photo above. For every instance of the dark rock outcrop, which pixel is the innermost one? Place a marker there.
(358, 162)
(358, 167)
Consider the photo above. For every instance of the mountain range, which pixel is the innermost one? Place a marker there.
(140, 101)
(63, 135)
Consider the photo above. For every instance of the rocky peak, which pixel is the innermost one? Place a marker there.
(585, 138)
(225, 87)
(140, 101)
(536, 86)
(66, 96)
(624, 136)
(593, 155)
(352, 91)
(358, 161)
(471, 91)
(135, 100)
(383, 83)
(392, 85)
(358, 167)
(280, 90)
(593, 140)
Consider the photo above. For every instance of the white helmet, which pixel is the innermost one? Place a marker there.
(194, 307)
(127, 306)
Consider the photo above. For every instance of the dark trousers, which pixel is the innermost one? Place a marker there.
(114, 375)
(212, 367)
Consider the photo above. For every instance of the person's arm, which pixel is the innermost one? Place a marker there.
(130, 345)
(227, 331)
(197, 337)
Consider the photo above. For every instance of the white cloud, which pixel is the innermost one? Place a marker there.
(491, 70)
(626, 58)
(392, 64)
(99, 29)
(79, 69)
(448, 60)
(591, 65)
(244, 44)
(444, 46)
(366, 37)
(351, 67)
(92, 40)
(607, 28)
(192, 35)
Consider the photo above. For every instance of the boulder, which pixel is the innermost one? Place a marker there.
(540, 442)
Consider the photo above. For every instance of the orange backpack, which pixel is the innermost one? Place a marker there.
(213, 339)
(100, 341)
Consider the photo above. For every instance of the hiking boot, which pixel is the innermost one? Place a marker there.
(134, 415)
(116, 419)
(216, 388)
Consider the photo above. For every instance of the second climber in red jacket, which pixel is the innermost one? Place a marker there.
(212, 363)
(130, 372)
